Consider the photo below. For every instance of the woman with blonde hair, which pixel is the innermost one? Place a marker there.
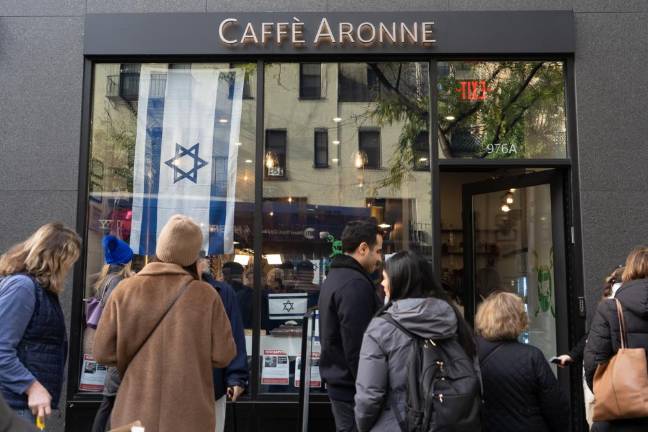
(117, 257)
(33, 341)
(520, 390)
(604, 340)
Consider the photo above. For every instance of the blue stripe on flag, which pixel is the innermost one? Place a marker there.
(154, 119)
(218, 195)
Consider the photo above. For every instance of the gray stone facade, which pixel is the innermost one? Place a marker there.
(41, 72)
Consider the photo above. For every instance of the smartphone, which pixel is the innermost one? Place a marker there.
(554, 360)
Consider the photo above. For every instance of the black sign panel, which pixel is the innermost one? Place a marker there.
(277, 33)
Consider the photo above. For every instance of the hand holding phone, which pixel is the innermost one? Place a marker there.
(562, 360)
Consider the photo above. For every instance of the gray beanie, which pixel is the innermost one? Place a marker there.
(180, 241)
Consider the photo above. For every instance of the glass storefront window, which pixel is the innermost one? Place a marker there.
(166, 139)
(501, 110)
(374, 117)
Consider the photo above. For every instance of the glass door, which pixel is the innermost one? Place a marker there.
(514, 240)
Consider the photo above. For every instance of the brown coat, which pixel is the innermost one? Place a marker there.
(169, 384)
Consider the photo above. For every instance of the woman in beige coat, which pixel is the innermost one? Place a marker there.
(166, 368)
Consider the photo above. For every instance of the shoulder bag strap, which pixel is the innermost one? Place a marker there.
(175, 300)
(623, 332)
(488, 356)
(106, 284)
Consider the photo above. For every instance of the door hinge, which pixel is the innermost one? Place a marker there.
(581, 306)
(573, 235)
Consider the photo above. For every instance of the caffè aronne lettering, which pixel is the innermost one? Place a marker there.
(233, 32)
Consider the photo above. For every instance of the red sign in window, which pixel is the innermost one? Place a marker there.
(473, 90)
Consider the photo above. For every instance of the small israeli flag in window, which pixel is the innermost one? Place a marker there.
(287, 306)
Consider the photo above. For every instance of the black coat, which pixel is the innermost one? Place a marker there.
(521, 392)
(604, 341)
(347, 303)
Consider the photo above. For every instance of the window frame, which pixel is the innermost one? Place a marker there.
(282, 157)
(316, 164)
(569, 163)
(366, 130)
(302, 79)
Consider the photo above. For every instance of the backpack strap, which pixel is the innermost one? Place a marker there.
(402, 423)
(399, 326)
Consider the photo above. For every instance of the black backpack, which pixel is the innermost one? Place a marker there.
(443, 387)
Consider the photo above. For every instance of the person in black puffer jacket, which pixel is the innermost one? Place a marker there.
(521, 392)
(604, 341)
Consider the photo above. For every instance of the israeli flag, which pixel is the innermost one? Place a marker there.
(188, 124)
(287, 306)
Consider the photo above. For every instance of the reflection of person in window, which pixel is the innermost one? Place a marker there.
(487, 279)
(304, 282)
(274, 281)
(233, 275)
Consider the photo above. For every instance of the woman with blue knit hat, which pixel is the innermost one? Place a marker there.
(117, 256)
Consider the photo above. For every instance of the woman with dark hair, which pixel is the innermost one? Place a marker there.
(604, 339)
(418, 303)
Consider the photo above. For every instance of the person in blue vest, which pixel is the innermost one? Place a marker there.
(232, 380)
(33, 341)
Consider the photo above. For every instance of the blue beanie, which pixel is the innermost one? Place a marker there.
(116, 251)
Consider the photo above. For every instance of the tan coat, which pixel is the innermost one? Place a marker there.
(169, 384)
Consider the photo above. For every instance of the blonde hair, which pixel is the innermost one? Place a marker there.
(47, 255)
(104, 274)
(501, 317)
(636, 266)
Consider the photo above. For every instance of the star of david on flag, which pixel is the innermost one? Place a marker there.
(287, 306)
(185, 154)
(176, 163)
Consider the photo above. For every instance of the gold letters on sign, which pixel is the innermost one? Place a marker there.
(233, 32)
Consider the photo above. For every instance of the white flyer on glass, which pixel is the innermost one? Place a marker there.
(315, 379)
(276, 368)
(93, 375)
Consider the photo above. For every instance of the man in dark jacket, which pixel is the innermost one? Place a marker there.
(232, 380)
(347, 303)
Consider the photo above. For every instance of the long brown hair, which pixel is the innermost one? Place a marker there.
(47, 255)
(636, 264)
(613, 278)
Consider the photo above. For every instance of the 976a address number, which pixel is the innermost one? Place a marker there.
(501, 148)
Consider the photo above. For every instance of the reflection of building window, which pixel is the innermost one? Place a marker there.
(129, 81)
(321, 148)
(358, 82)
(275, 153)
(421, 149)
(247, 91)
(310, 80)
(369, 144)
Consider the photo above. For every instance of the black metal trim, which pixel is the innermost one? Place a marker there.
(78, 292)
(504, 163)
(258, 224)
(433, 127)
(576, 289)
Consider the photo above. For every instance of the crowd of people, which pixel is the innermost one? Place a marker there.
(409, 362)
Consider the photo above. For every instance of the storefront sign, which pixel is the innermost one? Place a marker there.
(317, 33)
(233, 32)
